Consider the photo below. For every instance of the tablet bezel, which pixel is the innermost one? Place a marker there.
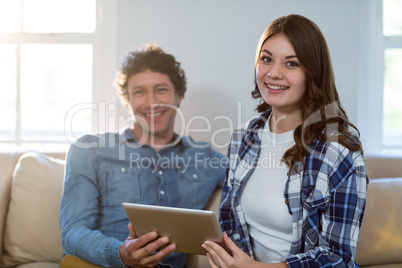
(186, 228)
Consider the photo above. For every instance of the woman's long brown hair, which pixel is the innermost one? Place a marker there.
(323, 117)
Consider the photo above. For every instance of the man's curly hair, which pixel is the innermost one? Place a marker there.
(149, 57)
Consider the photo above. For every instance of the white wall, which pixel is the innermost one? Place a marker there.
(215, 40)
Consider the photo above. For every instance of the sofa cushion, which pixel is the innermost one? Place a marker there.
(32, 232)
(380, 240)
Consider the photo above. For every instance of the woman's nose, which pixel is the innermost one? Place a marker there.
(275, 72)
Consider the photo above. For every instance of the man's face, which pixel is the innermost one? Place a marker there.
(153, 101)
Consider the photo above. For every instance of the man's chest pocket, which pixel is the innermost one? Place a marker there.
(196, 185)
(120, 184)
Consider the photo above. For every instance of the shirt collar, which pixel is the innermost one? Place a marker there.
(256, 128)
(260, 122)
(127, 136)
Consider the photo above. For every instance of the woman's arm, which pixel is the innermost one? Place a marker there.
(334, 210)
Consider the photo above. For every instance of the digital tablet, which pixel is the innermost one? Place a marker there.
(188, 229)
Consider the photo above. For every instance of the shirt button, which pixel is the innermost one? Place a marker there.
(286, 202)
(123, 169)
(162, 192)
(160, 172)
(195, 176)
(231, 180)
(288, 174)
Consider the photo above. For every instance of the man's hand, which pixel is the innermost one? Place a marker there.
(136, 251)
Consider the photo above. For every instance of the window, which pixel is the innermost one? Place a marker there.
(49, 57)
(380, 69)
(392, 111)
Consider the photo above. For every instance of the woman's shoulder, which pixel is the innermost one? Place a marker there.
(330, 150)
(334, 159)
(334, 155)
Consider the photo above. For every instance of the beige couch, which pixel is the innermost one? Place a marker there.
(31, 185)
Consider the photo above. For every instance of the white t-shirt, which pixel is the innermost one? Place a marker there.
(268, 220)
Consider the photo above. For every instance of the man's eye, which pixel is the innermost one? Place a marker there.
(136, 93)
(162, 90)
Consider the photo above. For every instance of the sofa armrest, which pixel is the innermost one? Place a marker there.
(383, 166)
(5, 185)
(380, 237)
(7, 164)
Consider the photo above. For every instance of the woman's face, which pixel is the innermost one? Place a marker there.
(280, 77)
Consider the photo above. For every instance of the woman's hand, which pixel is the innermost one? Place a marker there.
(220, 258)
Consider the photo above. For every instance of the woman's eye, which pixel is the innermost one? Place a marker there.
(265, 59)
(292, 64)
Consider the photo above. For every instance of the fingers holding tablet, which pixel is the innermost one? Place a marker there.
(138, 251)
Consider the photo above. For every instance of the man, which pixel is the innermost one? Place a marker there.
(147, 163)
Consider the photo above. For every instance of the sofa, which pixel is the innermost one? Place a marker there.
(31, 185)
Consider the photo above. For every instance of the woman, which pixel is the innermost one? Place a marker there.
(296, 184)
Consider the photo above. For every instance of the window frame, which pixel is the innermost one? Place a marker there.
(103, 41)
(372, 45)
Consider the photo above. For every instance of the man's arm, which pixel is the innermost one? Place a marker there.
(79, 211)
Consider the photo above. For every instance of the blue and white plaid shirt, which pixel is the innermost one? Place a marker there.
(326, 200)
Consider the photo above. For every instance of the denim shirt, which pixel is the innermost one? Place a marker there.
(102, 171)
